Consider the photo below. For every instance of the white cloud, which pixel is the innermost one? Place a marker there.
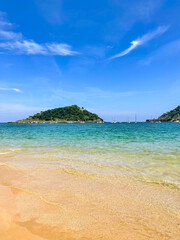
(11, 89)
(29, 47)
(60, 49)
(5, 24)
(142, 40)
(15, 43)
(10, 35)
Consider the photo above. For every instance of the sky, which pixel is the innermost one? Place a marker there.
(116, 58)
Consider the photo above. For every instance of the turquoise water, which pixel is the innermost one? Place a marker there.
(150, 151)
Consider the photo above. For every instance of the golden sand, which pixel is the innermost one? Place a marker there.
(37, 204)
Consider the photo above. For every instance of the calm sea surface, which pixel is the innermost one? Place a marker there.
(148, 151)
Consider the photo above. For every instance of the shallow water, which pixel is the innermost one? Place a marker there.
(147, 151)
(90, 181)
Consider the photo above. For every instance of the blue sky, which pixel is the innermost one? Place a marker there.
(114, 57)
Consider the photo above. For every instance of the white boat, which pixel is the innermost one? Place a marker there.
(135, 118)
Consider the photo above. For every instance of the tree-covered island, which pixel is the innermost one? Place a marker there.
(63, 114)
(171, 116)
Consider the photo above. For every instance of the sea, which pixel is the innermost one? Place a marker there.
(144, 151)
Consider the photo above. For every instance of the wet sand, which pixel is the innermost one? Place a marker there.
(50, 204)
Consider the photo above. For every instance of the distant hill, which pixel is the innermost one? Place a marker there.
(171, 116)
(64, 114)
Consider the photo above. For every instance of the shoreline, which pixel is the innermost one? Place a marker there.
(93, 182)
(83, 122)
(63, 121)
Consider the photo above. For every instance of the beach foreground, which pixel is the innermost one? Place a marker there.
(48, 204)
(89, 181)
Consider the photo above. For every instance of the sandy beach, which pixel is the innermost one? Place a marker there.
(89, 182)
(47, 204)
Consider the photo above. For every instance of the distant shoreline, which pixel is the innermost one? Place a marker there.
(41, 122)
(47, 122)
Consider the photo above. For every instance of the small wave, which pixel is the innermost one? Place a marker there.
(14, 150)
(9, 151)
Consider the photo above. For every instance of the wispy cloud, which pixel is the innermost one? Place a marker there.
(3, 22)
(10, 35)
(10, 89)
(60, 49)
(91, 92)
(141, 40)
(163, 53)
(15, 43)
(23, 47)
(108, 94)
(29, 47)
(133, 11)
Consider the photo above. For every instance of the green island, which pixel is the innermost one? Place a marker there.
(171, 116)
(67, 114)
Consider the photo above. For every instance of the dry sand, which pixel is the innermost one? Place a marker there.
(56, 205)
